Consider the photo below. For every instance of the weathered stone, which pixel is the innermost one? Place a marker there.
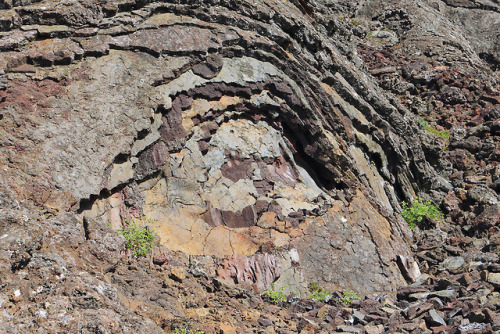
(171, 40)
(483, 195)
(435, 319)
(54, 52)
(253, 128)
(452, 263)
(210, 68)
(409, 268)
(489, 217)
(494, 278)
(260, 269)
(475, 328)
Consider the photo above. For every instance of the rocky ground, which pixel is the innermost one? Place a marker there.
(270, 145)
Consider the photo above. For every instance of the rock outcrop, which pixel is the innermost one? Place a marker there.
(265, 141)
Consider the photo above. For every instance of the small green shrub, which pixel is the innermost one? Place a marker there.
(275, 296)
(445, 134)
(318, 293)
(418, 209)
(188, 331)
(139, 239)
(348, 297)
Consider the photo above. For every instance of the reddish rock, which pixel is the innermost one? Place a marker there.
(160, 259)
(173, 40)
(260, 269)
(489, 217)
(55, 51)
(443, 330)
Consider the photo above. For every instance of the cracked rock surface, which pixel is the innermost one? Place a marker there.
(267, 142)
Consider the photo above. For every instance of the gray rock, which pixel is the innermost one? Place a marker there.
(483, 195)
(452, 263)
(349, 329)
(494, 278)
(436, 319)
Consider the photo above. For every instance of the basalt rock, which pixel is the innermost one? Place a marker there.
(265, 142)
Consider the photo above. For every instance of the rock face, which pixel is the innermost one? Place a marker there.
(266, 141)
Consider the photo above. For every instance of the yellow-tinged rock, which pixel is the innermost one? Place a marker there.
(218, 242)
(241, 244)
(279, 239)
(226, 328)
(177, 273)
(323, 311)
(267, 220)
(194, 313)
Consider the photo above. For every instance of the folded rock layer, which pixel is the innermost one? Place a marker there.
(245, 131)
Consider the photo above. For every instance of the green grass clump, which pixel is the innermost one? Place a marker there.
(275, 296)
(348, 297)
(318, 293)
(188, 331)
(418, 209)
(139, 239)
(445, 134)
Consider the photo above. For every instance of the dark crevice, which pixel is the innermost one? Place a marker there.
(490, 60)
(87, 203)
(86, 228)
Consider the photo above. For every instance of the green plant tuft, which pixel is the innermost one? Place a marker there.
(139, 239)
(418, 209)
(348, 297)
(318, 293)
(445, 134)
(275, 296)
(188, 331)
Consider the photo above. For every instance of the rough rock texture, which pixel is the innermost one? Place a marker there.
(266, 141)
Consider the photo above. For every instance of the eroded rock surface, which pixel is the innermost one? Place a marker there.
(266, 142)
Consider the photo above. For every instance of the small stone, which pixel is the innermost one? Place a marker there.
(379, 329)
(494, 278)
(435, 318)
(409, 268)
(475, 328)
(447, 294)
(442, 330)
(265, 322)
(416, 310)
(483, 195)
(419, 295)
(177, 274)
(350, 329)
(359, 316)
(52, 30)
(452, 263)
(160, 259)
(323, 311)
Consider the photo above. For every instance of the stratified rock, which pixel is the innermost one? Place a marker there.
(260, 269)
(262, 141)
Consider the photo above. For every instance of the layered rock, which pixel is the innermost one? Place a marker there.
(248, 132)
